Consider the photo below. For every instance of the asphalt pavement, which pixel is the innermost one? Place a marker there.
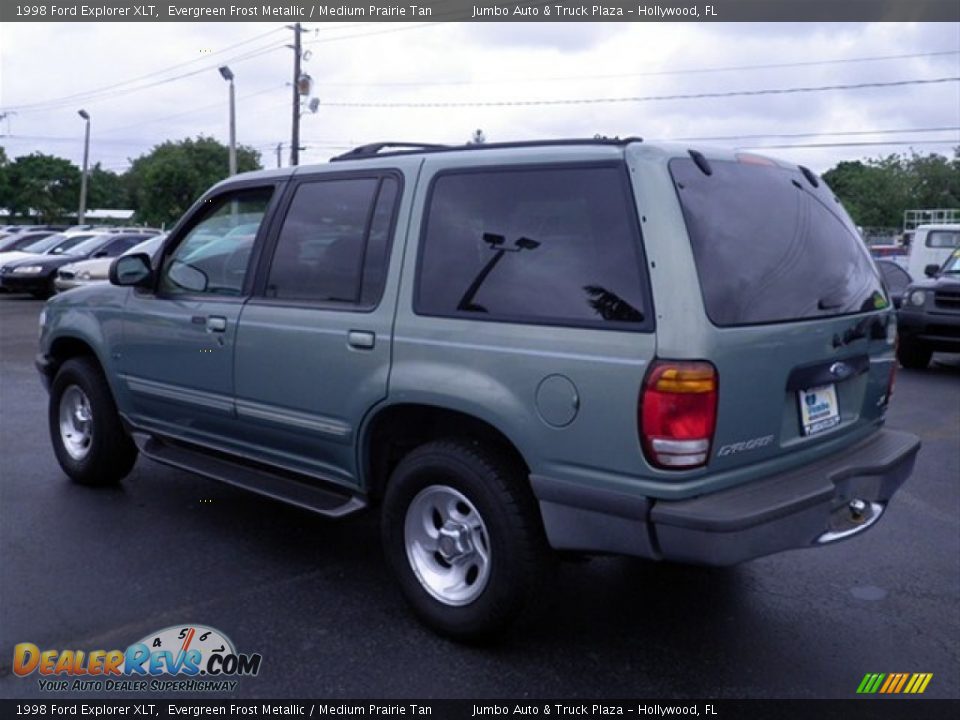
(101, 568)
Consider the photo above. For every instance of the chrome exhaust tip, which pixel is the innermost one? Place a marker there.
(850, 520)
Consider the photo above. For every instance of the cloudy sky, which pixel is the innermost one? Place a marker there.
(144, 83)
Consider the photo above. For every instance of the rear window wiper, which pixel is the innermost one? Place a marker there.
(829, 302)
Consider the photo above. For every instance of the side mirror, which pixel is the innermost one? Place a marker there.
(931, 270)
(131, 270)
(100, 254)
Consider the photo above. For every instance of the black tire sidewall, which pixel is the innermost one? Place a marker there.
(103, 460)
(491, 611)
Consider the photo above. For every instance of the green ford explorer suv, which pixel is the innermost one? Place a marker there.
(598, 346)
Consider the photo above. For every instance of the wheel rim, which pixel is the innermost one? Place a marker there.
(447, 545)
(76, 422)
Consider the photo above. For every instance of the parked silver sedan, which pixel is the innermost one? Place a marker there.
(83, 273)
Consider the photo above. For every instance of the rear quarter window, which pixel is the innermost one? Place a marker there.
(770, 247)
(544, 245)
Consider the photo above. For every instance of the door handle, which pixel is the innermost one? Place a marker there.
(361, 340)
(216, 323)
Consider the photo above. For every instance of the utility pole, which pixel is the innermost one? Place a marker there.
(279, 150)
(83, 178)
(227, 75)
(295, 133)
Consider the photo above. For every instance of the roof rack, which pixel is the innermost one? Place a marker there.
(372, 150)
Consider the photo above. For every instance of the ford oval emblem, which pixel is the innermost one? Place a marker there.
(840, 370)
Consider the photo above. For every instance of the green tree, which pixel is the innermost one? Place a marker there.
(106, 189)
(164, 183)
(876, 192)
(936, 180)
(4, 180)
(46, 185)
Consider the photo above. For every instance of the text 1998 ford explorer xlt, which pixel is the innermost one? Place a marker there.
(599, 346)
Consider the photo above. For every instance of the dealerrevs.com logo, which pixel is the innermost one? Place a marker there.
(200, 657)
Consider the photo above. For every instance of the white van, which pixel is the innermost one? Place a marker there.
(931, 245)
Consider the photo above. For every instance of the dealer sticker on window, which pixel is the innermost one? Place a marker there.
(819, 409)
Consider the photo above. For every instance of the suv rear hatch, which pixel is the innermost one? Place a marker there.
(801, 325)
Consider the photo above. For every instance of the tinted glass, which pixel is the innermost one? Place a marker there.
(120, 245)
(148, 246)
(770, 247)
(952, 265)
(895, 277)
(17, 242)
(79, 245)
(378, 243)
(320, 250)
(40, 242)
(557, 246)
(943, 239)
(213, 256)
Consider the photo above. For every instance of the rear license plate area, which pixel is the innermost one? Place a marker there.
(819, 409)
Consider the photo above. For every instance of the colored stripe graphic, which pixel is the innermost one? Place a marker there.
(903, 680)
(918, 683)
(870, 683)
(894, 683)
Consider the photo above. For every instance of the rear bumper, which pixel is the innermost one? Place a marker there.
(806, 507)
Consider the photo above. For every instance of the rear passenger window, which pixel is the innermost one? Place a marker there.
(122, 245)
(545, 245)
(334, 243)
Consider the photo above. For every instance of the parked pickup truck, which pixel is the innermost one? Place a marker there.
(929, 315)
(598, 346)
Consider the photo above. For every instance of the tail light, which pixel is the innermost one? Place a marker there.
(678, 413)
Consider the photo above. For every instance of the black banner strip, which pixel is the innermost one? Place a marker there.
(482, 11)
(857, 709)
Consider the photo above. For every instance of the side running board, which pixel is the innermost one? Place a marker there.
(286, 487)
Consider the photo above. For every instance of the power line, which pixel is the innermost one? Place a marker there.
(641, 98)
(98, 96)
(53, 138)
(191, 111)
(375, 32)
(652, 73)
(162, 70)
(855, 144)
(815, 134)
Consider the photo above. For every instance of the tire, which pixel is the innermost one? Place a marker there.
(95, 451)
(48, 292)
(913, 356)
(485, 564)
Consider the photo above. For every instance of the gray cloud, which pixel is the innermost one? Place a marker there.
(470, 63)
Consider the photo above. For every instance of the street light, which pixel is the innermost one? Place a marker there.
(83, 178)
(227, 75)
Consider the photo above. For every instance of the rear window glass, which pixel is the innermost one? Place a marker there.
(40, 243)
(769, 247)
(538, 245)
(943, 239)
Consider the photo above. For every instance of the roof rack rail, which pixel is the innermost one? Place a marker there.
(374, 149)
